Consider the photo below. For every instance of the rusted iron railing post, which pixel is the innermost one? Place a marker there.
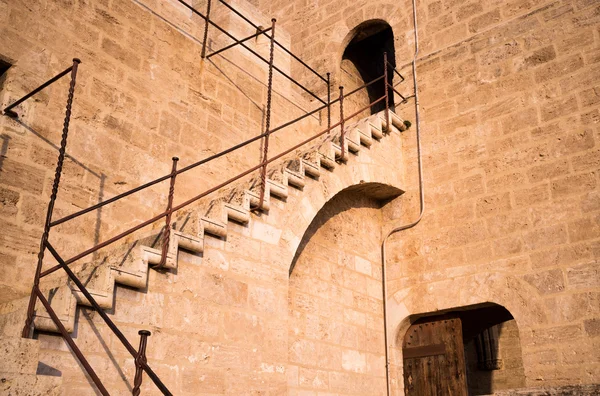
(343, 132)
(140, 359)
(206, 23)
(263, 171)
(26, 333)
(167, 232)
(328, 100)
(387, 98)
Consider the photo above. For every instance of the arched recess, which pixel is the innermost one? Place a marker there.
(375, 169)
(335, 299)
(406, 305)
(474, 350)
(363, 61)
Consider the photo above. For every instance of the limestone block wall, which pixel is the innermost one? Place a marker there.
(335, 302)
(226, 321)
(142, 96)
(510, 116)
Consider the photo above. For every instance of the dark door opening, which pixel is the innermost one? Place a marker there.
(474, 350)
(365, 51)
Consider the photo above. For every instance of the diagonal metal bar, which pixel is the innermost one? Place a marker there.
(225, 32)
(107, 320)
(205, 193)
(237, 42)
(69, 340)
(276, 42)
(395, 71)
(399, 94)
(8, 110)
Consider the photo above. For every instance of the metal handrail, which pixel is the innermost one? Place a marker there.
(139, 355)
(205, 193)
(206, 160)
(276, 42)
(211, 22)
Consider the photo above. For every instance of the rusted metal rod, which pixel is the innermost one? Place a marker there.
(225, 32)
(132, 351)
(238, 42)
(328, 100)
(167, 230)
(276, 42)
(69, 340)
(342, 131)
(8, 110)
(387, 96)
(139, 360)
(399, 94)
(395, 71)
(202, 195)
(263, 171)
(26, 333)
(206, 24)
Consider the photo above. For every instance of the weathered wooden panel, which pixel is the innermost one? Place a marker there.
(434, 362)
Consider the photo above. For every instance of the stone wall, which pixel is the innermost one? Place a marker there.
(335, 302)
(510, 140)
(143, 95)
(510, 116)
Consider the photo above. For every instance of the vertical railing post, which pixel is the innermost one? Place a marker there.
(206, 23)
(26, 333)
(140, 359)
(343, 132)
(263, 171)
(329, 102)
(387, 101)
(167, 232)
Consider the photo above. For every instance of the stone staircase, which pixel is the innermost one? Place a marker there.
(128, 263)
(18, 369)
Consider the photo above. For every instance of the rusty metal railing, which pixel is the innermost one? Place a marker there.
(139, 355)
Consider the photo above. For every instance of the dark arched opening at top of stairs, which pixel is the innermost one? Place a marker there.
(365, 50)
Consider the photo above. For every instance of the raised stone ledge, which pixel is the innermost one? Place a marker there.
(568, 390)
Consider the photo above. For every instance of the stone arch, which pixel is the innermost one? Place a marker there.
(488, 287)
(370, 171)
(481, 289)
(341, 35)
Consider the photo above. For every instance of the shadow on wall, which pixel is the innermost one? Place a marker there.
(341, 202)
(472, 350)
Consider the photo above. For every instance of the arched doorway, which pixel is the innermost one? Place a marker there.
(362, 61)
(465, 351)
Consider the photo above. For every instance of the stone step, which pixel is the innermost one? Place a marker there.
(129, 263)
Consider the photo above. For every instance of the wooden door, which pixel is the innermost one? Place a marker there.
(434, 360)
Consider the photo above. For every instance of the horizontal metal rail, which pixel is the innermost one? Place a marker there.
(355, 90)
(107, 320)
(238, 42)
(195, 11)
(207, 192)
(8, 110)
(276, 42)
